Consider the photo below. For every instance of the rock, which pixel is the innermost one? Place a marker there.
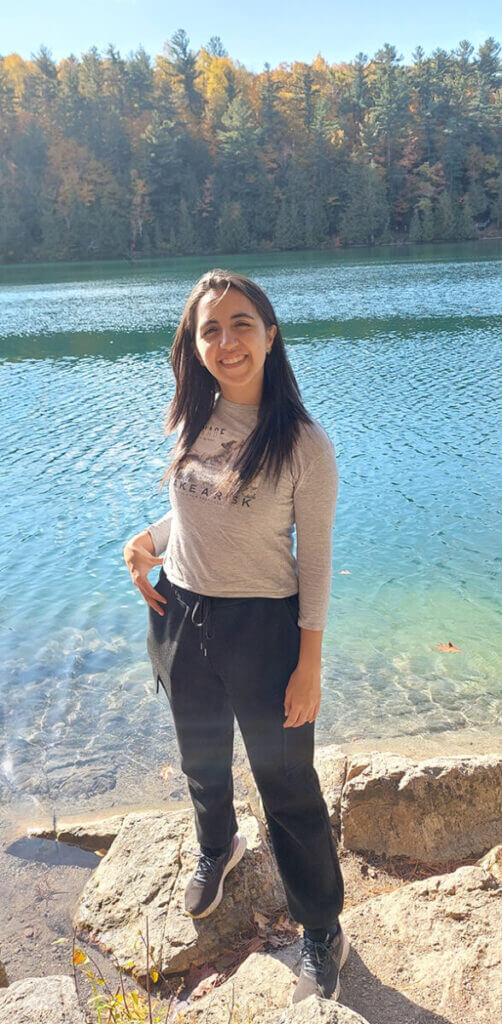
(433, 944)
(428, 951)
(315, 1010)
(492, 861)
(49, 1000)
(261, 990)
(264, 982)
(145, 872)
(3, 976)
(436, 810)
(88, 835)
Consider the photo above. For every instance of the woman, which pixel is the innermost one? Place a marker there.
(236, 621)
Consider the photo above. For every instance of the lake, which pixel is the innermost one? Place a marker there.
(397, 353)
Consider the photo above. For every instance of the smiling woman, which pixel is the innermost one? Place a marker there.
(236, 620)
(231, 337)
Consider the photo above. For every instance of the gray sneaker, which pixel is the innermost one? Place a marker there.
(205, 888)
(321, 962)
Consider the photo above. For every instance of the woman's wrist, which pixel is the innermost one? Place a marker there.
(310, 646)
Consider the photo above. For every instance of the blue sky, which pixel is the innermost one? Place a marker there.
(253, 33)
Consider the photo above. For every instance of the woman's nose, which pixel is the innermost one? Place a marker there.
(227, 338)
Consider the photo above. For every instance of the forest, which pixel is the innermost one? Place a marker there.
(105, 157)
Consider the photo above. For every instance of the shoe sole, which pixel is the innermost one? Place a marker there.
(239, 849)
(345, 953)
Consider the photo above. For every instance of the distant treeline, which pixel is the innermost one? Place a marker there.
(103, 157)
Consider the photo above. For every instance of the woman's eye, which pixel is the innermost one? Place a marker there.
(211, 330)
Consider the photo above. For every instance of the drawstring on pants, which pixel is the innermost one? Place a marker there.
(204, 603)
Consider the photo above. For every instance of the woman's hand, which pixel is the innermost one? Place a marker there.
(303, 694)
(140, 559)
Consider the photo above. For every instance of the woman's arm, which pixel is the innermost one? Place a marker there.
(140, 559)
(159, 532)
(314, 499)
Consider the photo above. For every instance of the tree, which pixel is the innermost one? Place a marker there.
(215, 47)
(365, 212)
(182, 67)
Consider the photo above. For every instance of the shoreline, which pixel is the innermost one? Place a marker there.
(418, 747)
(41, 880)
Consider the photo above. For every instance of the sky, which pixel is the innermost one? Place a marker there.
(254, 33)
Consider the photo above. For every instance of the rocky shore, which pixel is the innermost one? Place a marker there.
(426, 941)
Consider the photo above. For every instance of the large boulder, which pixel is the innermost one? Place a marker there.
(436, 810)
(145, 873)
(433, 945)
(50, 1000)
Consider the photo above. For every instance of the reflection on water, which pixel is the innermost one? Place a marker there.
(396, 355)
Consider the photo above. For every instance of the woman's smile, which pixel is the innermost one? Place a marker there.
(233, 360)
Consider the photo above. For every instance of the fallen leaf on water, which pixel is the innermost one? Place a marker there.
(345, 572)
(447, 647)
(100, 853)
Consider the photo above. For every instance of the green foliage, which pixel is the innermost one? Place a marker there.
(103, 156)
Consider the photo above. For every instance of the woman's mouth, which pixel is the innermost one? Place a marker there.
(234, 361)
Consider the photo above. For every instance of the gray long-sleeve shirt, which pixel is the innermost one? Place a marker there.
(244, 547)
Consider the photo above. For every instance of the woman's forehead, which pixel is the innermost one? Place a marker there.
(214, 302)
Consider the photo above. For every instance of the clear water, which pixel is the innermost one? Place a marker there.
(397, 352)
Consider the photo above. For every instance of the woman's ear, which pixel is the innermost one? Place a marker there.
(271, 331)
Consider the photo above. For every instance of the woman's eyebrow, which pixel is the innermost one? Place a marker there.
(233, 317)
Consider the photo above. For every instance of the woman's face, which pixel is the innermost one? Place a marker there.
(232, 342)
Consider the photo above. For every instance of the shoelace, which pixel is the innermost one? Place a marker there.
(315, 954)
(205, 867)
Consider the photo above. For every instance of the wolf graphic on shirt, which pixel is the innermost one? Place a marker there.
(208, 470)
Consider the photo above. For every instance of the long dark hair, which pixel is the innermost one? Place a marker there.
(281, 409)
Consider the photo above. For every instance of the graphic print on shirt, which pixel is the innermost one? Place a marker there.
(203, 471)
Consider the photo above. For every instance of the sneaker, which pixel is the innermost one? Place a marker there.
(321, 962)
(205, 888)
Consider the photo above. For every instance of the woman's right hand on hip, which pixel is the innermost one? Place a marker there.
(140, 560)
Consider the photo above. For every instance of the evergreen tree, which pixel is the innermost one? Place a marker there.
(365, 211)
(415, 233)
(465, 223)
(444, 218)
(182, 67)
(232, 233)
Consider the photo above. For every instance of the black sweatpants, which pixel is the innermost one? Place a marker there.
(220, 656)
